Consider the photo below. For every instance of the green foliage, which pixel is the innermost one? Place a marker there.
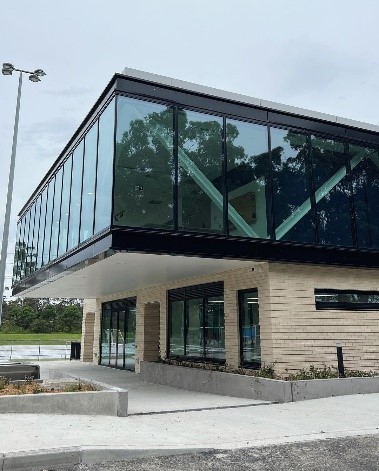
(3, 382)
(325, 372)
(80, 386)
(41, 316)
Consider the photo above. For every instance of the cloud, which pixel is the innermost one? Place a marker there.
(71, 92)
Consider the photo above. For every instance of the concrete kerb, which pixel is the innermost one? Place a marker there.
(38, 460)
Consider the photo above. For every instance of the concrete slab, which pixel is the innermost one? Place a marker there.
(228, 423)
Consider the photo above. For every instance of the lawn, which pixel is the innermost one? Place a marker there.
(54, 338)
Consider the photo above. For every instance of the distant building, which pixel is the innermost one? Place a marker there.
(209, 226)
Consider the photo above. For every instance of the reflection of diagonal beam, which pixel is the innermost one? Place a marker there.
(198, 176)
(324, 189)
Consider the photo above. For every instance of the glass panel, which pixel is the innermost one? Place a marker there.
(200, 188)
(250, 329)
(247, 174)
(76, 196)
(25, 245)
(65, 207)
(121, 339)
(344, 299)
(113, 346)
(292, 206)
(130, 339)
(29, 240)
(214, 328)
(104, 178)
(33, 253)
(89, 182)
(48, 223)
(41, 230)
(18, 251)
(56, 215)
(176, 328)
(105, 336)
(194, 340)
(365, 179)
(143, 186)
(332, 192)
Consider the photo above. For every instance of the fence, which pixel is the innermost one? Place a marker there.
(14, 351)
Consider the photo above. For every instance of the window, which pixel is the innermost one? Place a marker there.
(196, 322)
(143, 185)
(347, 299)
(246, 179)
(249, 328)
(200, 185)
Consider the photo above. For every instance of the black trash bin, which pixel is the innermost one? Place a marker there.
(75, 351)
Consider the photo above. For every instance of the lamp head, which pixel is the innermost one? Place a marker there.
(7, 68)
(39, 72)
(34, 78)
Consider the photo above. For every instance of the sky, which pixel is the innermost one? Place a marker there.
(321, 55)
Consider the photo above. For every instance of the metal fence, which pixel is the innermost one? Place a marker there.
(14, 351)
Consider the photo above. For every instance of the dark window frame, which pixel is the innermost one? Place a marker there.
(345, 305)
(245, 364)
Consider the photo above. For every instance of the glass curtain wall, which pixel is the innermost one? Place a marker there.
(196, 322)
(250, 328)
(186, 170)
(118, 330)
(75, 204)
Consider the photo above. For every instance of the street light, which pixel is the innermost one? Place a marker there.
(8, 69)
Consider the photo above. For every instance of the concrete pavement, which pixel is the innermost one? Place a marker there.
(164, 418)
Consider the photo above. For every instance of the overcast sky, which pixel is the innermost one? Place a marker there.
(316, 54)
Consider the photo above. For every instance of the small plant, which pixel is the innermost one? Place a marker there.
(326, 372)
(3, 382)
(266, 371)
(80, 386)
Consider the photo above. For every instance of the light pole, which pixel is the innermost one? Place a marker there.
(8, 69)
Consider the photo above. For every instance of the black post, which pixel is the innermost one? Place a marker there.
(341, 368)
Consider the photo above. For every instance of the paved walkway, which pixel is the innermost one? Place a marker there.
(165, 418)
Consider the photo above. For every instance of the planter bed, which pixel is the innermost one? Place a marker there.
(105, 400)
(252, 387)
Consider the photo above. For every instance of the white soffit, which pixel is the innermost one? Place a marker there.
(130, 271)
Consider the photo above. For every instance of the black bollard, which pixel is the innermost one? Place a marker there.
(341, 368)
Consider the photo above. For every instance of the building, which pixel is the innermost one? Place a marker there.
(208, 226)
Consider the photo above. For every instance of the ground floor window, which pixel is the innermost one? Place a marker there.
(196, 322)
(118, 333)
(346, 299)
(249, 328)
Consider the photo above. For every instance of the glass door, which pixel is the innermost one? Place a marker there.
(130, 338)
(250, 328)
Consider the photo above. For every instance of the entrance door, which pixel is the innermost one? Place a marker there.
(249, 328)
(118, 333)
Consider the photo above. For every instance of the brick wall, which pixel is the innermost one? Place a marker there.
(302, 335)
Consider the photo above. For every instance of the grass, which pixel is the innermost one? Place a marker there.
(54, 338)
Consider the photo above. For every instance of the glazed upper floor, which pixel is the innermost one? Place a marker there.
(159, 157)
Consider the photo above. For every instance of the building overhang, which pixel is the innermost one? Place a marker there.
(127, 271)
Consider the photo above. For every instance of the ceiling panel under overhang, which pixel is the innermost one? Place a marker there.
(129, 271)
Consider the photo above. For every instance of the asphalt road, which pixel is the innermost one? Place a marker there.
(341, 454)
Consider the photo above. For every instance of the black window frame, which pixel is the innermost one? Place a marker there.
(246, 364)
(345, 305)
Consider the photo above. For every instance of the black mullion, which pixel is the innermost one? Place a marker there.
(312, 189)
(241, 358)
(224, 164)
(351, 195)
(204, 302)
(126, 316)
(176, 166)
(185, 313)
(270, 187)
(60, 211)
(52, 214)
(110, 334)
(44, 226)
